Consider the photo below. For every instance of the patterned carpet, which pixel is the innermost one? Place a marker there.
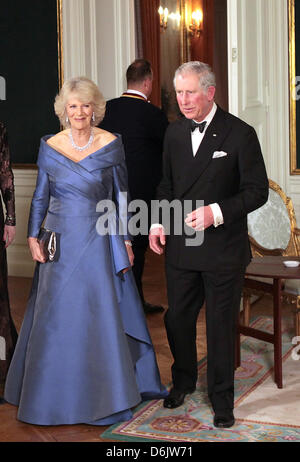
(263, 412)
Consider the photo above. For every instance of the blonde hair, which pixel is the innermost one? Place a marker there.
(86, 91)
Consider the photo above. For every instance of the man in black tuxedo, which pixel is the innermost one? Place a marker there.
(142, 126)
(214, 157)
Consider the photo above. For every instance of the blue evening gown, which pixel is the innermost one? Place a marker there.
(84, 354)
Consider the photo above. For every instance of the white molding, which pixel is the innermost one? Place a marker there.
(232, 45)
(292, 181)
(93, 40)
(277, 56)
(99, 41)
(274, 85)
(118, 29)
(248, 101)
(73, 15)
(125, 40)
(110, 43)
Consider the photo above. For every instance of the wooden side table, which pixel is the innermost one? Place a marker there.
(270, 267)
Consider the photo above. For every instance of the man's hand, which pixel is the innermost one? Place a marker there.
(200, 218)
(157, 240)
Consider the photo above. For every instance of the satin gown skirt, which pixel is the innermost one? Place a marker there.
(84, 354)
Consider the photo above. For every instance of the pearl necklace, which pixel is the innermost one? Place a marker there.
(81, 148)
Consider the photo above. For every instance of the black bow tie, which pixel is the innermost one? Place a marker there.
(200, 125)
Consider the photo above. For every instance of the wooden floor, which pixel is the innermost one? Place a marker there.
(12, 430)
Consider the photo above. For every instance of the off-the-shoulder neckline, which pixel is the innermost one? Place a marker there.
(46, 138)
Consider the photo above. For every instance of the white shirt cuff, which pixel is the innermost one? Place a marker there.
(156, 225)
(218, 216)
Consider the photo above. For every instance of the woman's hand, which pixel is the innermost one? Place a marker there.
(35, 250)
(130, 256)
(9, 234)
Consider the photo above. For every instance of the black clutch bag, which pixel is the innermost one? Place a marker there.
(47, 242)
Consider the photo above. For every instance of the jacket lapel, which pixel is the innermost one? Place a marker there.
(213, 139)
(187, 139)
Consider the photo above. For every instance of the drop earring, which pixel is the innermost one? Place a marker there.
(93, 117)
(67, 120)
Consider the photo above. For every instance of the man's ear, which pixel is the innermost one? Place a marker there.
(147, 85)
(211, 93)
(148, 82)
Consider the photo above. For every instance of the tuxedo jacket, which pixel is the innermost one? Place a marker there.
(142, 126)
(229, 170)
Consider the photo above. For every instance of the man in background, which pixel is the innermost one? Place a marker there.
(142, 126)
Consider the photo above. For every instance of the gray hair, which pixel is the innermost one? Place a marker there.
(206, 76)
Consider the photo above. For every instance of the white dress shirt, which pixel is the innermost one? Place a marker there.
(197, 137)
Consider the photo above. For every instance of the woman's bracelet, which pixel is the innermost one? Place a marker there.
(128, 243)
(10, 220)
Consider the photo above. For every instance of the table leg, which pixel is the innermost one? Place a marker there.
(277, 332)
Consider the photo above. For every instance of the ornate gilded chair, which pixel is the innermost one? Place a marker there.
(273, 231)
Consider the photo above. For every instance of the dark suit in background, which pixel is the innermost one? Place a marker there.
(142, 126)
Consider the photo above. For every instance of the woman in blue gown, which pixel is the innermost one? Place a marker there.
(84, 354)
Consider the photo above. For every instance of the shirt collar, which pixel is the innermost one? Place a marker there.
(209, 116)
(136, 92)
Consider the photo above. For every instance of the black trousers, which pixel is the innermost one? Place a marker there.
(187, 292)
(139, 247)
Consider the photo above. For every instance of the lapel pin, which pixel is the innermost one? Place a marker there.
(214, 134)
